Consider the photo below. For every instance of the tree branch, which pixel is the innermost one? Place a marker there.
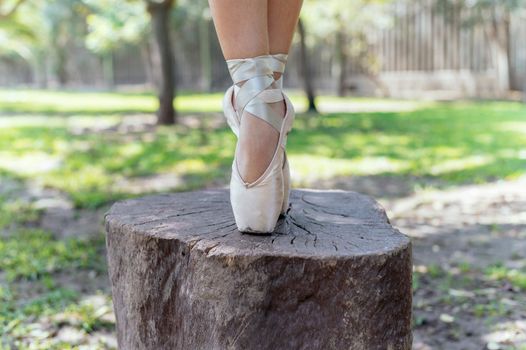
(12, 10)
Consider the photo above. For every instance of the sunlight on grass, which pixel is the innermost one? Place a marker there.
(31, 253)
(31, 164)
(507, 335)
(77, 146)
(515, 127)
(362, 104)
(89, 146)
(303, 167)
(78, 102)
(15, 211)
(34, 324)
(460, 164)
(49, 102)
(517, 277)
(35, 303)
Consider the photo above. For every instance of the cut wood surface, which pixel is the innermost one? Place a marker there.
(334, 275)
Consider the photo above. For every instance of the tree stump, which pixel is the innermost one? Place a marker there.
(334, 275)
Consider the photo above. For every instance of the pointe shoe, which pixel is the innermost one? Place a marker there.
(277, 63)
(258, 204)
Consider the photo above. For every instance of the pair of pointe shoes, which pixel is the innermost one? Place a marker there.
(257, 205)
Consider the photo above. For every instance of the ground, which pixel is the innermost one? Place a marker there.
(450, 175)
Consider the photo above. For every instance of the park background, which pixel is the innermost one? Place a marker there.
(420, 104)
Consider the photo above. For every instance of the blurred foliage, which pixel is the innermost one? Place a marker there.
(102, 25)
(45, 30)
(342, 24)
(46, 33)
(112, 23)
(325, 18)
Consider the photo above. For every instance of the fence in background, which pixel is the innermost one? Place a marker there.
(436, 44)
(430, 48)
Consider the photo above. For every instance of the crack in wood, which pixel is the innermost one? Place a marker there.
(213, 224)
(147, 222)
(305, 298)
(187, 275)
(218, 228)
(208, 249)
(308, 202)
(295, 223)
(191, 212)
(191, 244)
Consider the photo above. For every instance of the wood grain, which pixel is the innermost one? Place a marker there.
(334, 275)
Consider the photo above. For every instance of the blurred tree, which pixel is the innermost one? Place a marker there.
(495, 18)
(341, 24)
(16, 38)
(42, 31)
(306, 69)
(113, 24)
(163, 57)
(192, 22)
(8, 8)
(66, 24)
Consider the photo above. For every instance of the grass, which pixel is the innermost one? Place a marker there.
(30, 294)
(15, 211)
(499, 272)
(32, 253)
(43, 138)
(464, 290)
(30, 325)
(72, 142)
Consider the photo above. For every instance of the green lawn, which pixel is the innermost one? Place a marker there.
(64, 140)
(79, 143)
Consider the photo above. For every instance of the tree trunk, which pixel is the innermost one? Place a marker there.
(160, 14)
(306, 70)
(499, 43)
(204, 53)
(107, 69)
(341, 46)
(146, 55)
(60, 73)
(512, 78)
(39, 66)
(334, 275)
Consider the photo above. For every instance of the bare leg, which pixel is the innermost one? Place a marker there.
(282, 20)
(241, 26)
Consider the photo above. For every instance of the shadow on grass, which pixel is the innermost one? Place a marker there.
(382, 152)
(457, 143)
(446, 144)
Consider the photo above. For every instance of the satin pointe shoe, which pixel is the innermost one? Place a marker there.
(258, 204)
(277, 63)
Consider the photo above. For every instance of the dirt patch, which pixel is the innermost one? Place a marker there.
(457, 234)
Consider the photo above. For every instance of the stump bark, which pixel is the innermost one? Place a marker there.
(334, 275)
